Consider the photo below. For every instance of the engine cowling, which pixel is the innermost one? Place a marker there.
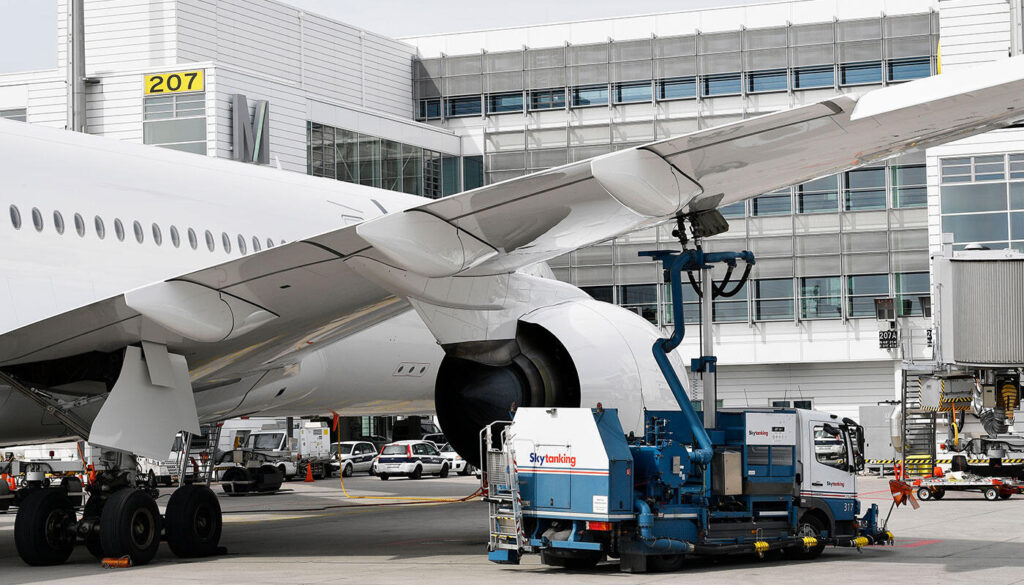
(571, 354)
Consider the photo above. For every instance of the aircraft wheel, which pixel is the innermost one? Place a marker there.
(194, 522)
(130, 526)
(44, 530)
(93, 510)
(5, 490)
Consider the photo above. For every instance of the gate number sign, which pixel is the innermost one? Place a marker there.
(887, 339)
(177, 82)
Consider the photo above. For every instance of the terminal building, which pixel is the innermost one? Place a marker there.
(262, 82)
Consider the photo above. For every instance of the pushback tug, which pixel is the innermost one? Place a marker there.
(568, 484)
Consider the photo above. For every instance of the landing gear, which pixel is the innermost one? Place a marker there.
(119, 519)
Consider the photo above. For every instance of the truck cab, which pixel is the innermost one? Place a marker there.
(830, 455)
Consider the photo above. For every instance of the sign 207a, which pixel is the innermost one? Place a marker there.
(887, 339)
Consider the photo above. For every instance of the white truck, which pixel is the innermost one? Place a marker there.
(269, 438)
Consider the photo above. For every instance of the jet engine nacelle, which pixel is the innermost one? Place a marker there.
(572, 354)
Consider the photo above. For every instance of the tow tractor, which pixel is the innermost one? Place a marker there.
(568, 484)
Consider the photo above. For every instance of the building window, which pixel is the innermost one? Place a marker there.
(431, 174)
(589, 96)
(861, 73)
(819, 196)
(16, 114)
(861, 292)
(717, 85)
(642, 299)
(865, 189)
(730, 309)
(907, 69)
(910, 287)
(777, 202)
(472, 172)
(764, 81)
(691, 305)
(412, 169)
(804, 404)
(908, 186)
(633, 92)
(820, 298)
(369, 161)
(682, 88)
(430, 109)
(505, 102)
(812, 77)
(773, 299)
(547, 99)
(175, 121)
(976, 201)
(391, 165)
(462, 106)
(599, 293)
(733, 210)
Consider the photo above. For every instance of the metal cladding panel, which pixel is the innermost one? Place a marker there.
(988, 318)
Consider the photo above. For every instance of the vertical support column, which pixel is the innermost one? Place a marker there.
(708, 375)
(76, 67)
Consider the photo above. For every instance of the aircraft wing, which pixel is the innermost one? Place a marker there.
(264, 310)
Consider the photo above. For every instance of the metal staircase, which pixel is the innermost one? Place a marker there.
(918, 431)
(500, 480)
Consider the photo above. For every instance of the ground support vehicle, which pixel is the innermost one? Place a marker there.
(308, 446)
(245, 471)
(455, 461)
(567, 484)
(993, 488)
(411, 458)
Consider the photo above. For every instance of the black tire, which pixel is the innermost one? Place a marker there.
(939, 493)
(130, 526)
(809, 525)
(384, 476)
(43, 530)
(151, 480)
(93, 509)
(235, 474)
(666, 563)
(347, 470)
(570, 560)
(194, 522)
(416, 473)
(466, 470)
(924, 494)
(991, 494)
(5, 490)
(284, 472)
(444, 471)
(268, 479)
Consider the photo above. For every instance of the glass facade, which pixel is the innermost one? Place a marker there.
(353, 157)
(176, 121)
(16, 114)
(982, 200)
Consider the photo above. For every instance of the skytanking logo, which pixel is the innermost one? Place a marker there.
(557, 459)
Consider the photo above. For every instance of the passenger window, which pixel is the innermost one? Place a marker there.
(270, 243)
(255, 244)
(192, 241)
(241, 244)
(158, 236)
(119, 229)
(225, 240)
(15, 217)
(830, 446)
(37, 219)
(58, 222)
(139, 234)
(79, 225)
(209, 241)
(175, 238)
(101, 230)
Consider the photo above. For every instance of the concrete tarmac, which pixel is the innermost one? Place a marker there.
(311, 533)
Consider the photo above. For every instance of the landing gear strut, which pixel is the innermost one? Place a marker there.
(119, 519)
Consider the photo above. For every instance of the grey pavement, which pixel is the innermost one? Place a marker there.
(311, 533)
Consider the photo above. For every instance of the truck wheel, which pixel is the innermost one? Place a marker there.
(991, 494)
(939, 493)
(284, 472)
(43, 530)
(130, 525)
(384, 476)
(268, 479)
(444, 471)
(235, 474)
(924, 494)
(416, 473)
(347, 471)
(93, 509)
(809, 525)
(194, 522)
(666, 563)
(570, 560)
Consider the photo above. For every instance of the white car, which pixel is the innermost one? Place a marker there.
(411, 458)
(352, 456)
(457, 463)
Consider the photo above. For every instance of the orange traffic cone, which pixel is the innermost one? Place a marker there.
(309, 473)
(12, 483)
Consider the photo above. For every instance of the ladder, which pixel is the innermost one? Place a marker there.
(500, 481)
(918, 431)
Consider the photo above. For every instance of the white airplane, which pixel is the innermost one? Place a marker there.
(146, 290)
